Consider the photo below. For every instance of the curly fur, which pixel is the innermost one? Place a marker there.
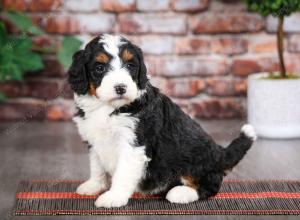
(147, 144)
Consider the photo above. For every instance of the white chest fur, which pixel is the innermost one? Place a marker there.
(108, 135)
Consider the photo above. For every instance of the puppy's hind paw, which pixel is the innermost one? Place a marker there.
(249, 131)
(182, 194)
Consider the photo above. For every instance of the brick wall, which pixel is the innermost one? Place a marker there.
(199, 52)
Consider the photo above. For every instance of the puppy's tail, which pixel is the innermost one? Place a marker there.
(239, 147)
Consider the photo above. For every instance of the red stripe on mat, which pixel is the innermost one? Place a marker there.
(72, 195)
(161, 211)
(221, 195)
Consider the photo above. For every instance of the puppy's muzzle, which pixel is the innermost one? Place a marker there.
(120, 89)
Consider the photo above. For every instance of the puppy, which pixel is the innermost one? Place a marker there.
(139, 140)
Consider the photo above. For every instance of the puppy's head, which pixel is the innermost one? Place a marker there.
(110, 68)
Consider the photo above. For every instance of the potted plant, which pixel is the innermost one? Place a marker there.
(274, 98)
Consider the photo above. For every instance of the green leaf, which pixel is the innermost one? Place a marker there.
(274, 7)
(21, 45)
(35, 30)
(30, 62)
(3, 34)
(22, 22)
(68, 47)
(2, 97)
(11, 71)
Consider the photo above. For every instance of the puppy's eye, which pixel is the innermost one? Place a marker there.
(130, 66)
(100, 68)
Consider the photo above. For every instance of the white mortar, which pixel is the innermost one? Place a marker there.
(274, 106)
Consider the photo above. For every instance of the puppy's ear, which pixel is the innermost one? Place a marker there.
(77, 73)
(142, 75)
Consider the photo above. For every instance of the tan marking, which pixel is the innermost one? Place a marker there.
(92, 90)
(102, 58)
(189, 181)
(127, 55)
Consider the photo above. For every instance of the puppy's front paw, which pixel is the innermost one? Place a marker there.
(111, 199)
(91, 187)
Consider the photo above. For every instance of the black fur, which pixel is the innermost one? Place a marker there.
(77, 73)
(80, 112)
(176, 144)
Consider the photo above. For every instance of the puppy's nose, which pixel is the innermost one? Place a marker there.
(120, 89)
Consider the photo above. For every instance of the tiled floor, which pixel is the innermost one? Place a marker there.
(44, 150)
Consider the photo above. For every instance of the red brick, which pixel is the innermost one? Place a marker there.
(151, 64)
(90, 23)
(193, 45)
(47, 43)
(60, 110)
(44, 89)
(218, 108)
(67, 92)
(53, 68)
(226, 23)
(247, 65)
(12, 88)
(152, 23)
(23, 109)
(179, 87)
(294, 43)
(229, 45)
(152, 5)
(190, 5)
(225, 87)
(243, 67)
(262, 44)
(292, 63)
(19, 5)
(184, 87)
(155, 44)
(185, 66)
(44, 5)
(161, 83)
(36, 20)
(62, 25)
(96, 23)
(118, 5)
(240, 87)
(220, 87)
(227, 6)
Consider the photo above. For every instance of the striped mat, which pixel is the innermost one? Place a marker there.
(235, 198)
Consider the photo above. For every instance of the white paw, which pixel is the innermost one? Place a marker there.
(182, 194)
(249, 131)
(111, 199)
(91, 187)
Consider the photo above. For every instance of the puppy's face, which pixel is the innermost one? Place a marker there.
(111, 69)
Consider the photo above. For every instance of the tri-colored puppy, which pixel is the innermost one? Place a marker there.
(139, 139)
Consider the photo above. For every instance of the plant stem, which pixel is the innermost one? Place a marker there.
(280, 37)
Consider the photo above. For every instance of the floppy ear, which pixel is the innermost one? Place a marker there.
(142, 75)
(77, 74)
